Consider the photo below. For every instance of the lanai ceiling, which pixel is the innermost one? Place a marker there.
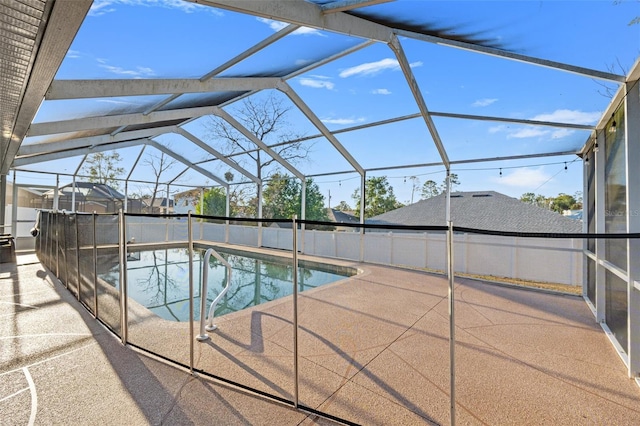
(78, 117)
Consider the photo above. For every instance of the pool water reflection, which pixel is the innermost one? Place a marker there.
(159, 280)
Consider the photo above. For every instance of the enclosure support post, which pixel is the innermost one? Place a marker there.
(260, 214)
(57, 233)
(227, 214)
(632, 127)
(3, 199)
(202, 212)
(599, 158)
(295, 311)
(452, 322)
(191, 334)
(66, 250)
(56, 198)
(123, 277)
(303, 214)
(363, 201)
(74, 188)
(95, 268)
(126, 182)
(73, 194)
(14, 208)
(126, 196)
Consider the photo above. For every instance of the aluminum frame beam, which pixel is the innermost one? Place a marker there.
(83, 89)
(310, 15)
(187, 163)
(201, 144)
(396, 47)
(239, 127)
(74, 143)
(307, 15)
(75, 151)
(123, 120)
(341, 6)
(117, 145)
(231, 62)
(304, 108)
(504, 54)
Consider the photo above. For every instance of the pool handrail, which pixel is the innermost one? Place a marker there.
(203, 296)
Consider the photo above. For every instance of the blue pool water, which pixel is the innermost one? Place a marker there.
(159, 280)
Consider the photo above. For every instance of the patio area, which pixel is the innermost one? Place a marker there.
(373, 349)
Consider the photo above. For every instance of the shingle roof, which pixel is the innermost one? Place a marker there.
(90, 190)
(488, 210)
(341, 217)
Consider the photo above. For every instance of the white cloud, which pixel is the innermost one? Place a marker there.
(138, 72)
(570, 116)
(343, 121)
(277, 26)
(381, 92)
(527, 132)
(102, 7)
(525, 178)
(72, 54)
(484, 102)
(561, 133)
(558, 116)
(317, 83)
(372, 68)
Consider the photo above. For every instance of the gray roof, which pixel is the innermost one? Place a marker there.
(90, 190)
(342, 217)
(487, 210)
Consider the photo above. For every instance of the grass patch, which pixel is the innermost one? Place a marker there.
(562, 288)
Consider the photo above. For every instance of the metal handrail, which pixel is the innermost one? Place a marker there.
(203, 296)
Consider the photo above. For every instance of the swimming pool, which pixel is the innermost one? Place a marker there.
(159, 280)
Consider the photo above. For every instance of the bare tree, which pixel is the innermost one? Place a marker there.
(608, 90)
(266, 119)
(159, 164)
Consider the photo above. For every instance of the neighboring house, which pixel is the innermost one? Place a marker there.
(27, 197)
(339, 216)
(487, 210)
(334, 215)
(159, 205)
(187, 200)
(91, 197)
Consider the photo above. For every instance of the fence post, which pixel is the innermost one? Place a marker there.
(95, 268)
(57, 231)
(78, 277)
(295, 310)
(66, 250)
(122, 245)
(452, 325)
(191, 334)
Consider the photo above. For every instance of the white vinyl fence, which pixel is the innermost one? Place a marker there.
(536, 259)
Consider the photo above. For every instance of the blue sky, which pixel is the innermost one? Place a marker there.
(175, 39)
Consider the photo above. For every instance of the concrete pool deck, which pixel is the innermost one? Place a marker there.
(373, 349)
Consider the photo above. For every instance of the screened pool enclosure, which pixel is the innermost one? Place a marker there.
(392, 90)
